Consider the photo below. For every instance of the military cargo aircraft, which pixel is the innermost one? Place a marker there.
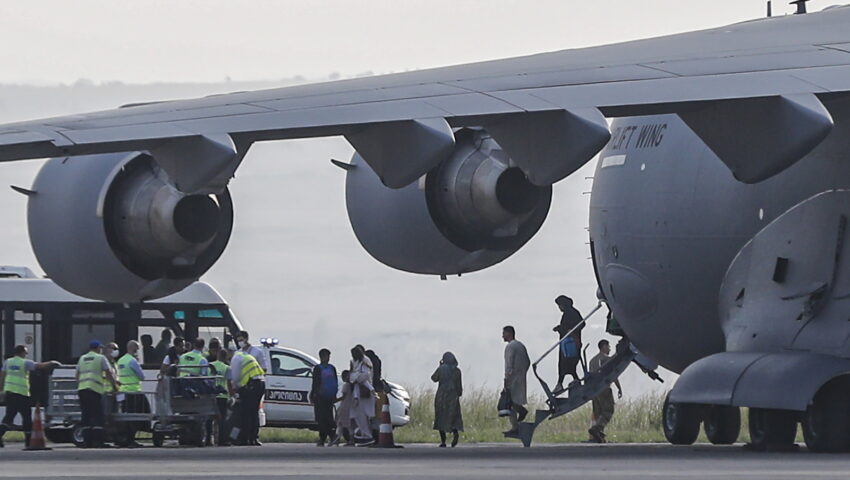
(718, 218)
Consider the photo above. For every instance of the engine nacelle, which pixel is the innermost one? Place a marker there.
(471, 212)
(112, 227)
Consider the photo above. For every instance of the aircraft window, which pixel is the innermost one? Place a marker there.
(180, 315)
(290, 366)
(642, 167)
(761, 214)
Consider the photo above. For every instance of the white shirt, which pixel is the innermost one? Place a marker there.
(260, 355)
(236, 369)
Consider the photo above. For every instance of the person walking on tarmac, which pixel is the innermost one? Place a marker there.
(517, 364)
(221, 370)
(603, 404)
(248, 381)
(15, 378)
(130, 376)
(447, 413)
(323, 395)
(570, 347)
(90, 388)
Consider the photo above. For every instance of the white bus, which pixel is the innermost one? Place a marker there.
(57, 325)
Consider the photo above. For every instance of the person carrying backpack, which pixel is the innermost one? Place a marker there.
(570, 348)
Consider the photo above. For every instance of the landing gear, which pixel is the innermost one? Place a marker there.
(772, 429)
(681, 422)
(722, 424)
(826, 423)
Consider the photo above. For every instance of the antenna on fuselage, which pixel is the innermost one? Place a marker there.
(769, 8)
(801, 6)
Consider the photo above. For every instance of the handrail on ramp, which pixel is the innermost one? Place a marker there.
(580, 391)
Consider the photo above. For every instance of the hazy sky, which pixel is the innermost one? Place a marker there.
(60, 41)
(293, 268)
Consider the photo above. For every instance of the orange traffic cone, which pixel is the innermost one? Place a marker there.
(385, 434)
(37, 441)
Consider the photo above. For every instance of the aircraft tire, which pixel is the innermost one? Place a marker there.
(772, 429)
(826, 422)
(722, 424)
(680, 422)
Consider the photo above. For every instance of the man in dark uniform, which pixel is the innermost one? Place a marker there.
(568, 360)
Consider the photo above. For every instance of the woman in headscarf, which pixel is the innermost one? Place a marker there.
(447, 415)
(363, 394)
(568, 361)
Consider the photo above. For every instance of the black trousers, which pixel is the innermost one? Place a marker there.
(324, 410)
(135, 403)
(566, 366)
(91, 409)
(249, 407)
(223, 422)
(17, 404)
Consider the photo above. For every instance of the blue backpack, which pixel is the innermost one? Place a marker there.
(328, 386)
(569, 348)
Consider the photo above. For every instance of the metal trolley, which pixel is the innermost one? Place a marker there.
(186, 409)
(183, 408)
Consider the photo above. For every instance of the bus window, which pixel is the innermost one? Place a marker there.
(208, 333)
(28, 332)
(82, 334)
(210, 313)
(155, 343)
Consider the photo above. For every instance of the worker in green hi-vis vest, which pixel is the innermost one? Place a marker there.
(15, 378)
(130, 376)
(93, 371)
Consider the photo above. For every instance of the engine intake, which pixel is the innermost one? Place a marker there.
(113, 227)
(471, 212)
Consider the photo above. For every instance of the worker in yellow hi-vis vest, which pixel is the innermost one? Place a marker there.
(93, 371)
(130, 376)
(248, 381)
(15, 378)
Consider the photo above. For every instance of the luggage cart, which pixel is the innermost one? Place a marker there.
(168, 407)
(185, 409)
(125, 413)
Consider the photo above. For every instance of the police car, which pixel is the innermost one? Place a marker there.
(287, 401)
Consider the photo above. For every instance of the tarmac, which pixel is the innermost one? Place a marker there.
(482, 461)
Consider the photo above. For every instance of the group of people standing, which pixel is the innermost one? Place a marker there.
(361, 398)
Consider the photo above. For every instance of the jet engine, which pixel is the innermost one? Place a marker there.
(470, 212)
(113, 227)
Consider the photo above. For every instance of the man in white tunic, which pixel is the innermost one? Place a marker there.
(363, 404)
(516, 369)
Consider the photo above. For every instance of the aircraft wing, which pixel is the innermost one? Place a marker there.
(760, 76)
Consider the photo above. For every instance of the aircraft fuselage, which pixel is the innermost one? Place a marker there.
(667, 218)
